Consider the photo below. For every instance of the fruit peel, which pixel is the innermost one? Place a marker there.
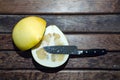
(28, 32)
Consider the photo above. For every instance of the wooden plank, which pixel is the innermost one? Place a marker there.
(11, 60)
(83, 41)
(69, 23)
(59, 6)
(62, 75)
(88, 41)
(6, 40)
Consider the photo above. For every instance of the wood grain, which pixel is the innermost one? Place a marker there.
(12, 60)
(62, 75)
(59, 6)
(86, 24)
(69, 23)
(88, 41)
(83, 41)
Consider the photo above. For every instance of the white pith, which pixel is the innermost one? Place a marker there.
(47, 62)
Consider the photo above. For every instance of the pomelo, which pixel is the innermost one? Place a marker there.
(53, 36)
(28, 32)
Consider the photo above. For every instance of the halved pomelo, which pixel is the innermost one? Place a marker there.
(52, 36)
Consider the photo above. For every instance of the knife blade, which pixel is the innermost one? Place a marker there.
(73, 50)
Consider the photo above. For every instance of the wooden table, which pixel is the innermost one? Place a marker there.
(86, 24)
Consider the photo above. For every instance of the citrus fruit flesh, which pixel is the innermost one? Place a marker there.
(53, 36)
(28, 32)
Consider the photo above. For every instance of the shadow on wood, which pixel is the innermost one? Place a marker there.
(25, 54)
(47, 69)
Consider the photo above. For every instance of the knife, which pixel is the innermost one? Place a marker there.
(73, 50)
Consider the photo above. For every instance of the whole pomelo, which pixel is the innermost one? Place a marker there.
(28, 32)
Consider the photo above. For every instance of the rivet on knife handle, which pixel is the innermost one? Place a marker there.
(92, 52)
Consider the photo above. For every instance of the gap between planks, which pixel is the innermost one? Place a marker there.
(62, 71)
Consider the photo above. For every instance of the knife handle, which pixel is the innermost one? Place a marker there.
(93, 52)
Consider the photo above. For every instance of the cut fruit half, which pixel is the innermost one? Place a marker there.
(53, 36)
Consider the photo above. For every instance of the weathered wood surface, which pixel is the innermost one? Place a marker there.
(102, 33)
(21, 64)
(83, 41)
(62, 75)
(69, 23)
(23, 60)
(86, 24)
(59, 6)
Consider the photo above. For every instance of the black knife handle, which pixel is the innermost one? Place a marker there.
(93, 52)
